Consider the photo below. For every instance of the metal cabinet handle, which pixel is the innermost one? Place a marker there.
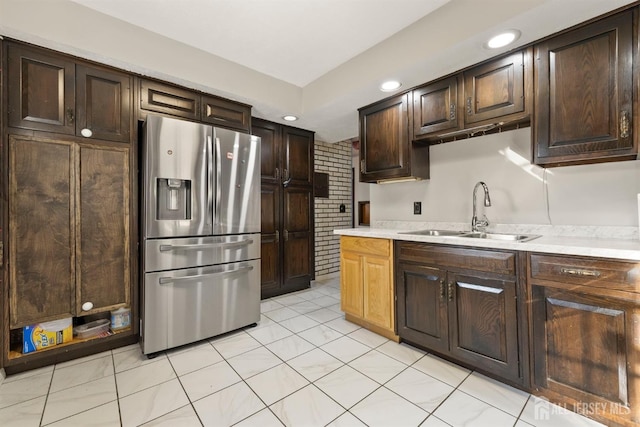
(450, 291)
(624, 124)
(442, 290)
(363, 166)
(70, 116)
(277, 174)
(580, 272)
(452, 111)
(287, 177)
(286, 235)
(277, 236)
(469, 109)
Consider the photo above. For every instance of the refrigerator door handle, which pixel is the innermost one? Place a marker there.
(210, 153)
(167, 280)
(225, 245)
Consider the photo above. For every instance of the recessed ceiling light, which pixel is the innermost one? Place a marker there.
(503, 39)
(390, 85)
(290, 118)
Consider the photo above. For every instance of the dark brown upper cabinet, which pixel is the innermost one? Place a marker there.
(386, 148)
(437, 107)
(584, 94)
(498, 90)
(177, 101)
(48, 92)
(168, 99)
(221, 112)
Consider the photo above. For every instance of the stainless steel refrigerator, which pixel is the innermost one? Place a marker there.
(201, 232)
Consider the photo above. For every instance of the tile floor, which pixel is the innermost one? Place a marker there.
(303, 365)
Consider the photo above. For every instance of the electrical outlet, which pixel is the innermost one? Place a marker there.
(417, 208)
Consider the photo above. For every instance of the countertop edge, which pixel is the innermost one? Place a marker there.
(622, 249)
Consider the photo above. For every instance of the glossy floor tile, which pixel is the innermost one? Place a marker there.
(302, 365)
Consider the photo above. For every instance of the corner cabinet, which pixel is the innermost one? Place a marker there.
(287, 207)
(366, 283)
(585, 335)
(585, 92)
(464, 304)
(387, 151)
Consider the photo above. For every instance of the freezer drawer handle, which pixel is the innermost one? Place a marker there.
(166, 280)
(225, 245)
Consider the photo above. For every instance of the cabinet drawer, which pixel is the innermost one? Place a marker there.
(221, 112)
(573, 271)
(469, 259)
(366, 245)
(168, 99)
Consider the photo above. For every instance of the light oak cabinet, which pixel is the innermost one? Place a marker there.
(584, 322)
(366, 280)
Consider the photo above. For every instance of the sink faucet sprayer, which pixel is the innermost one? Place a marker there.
(477, 224)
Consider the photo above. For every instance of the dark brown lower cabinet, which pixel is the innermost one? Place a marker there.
(461, 303)
(69, 242)
(586, 337)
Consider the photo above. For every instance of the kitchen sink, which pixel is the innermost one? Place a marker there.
(500, 236)
(441, 233)
(474, 235)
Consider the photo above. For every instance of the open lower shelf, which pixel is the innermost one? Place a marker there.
(16, 350)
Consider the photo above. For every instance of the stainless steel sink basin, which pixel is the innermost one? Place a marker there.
(440, 233)
(500, 236)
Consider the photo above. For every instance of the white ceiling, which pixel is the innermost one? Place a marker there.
(318, 59)
(292, 40)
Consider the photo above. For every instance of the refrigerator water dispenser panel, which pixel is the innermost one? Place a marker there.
(174, 199)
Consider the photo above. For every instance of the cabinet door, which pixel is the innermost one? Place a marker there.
(584, 93)
(104, 103)
(41, 91)
(422, 306)
(297, 145)
(270, 146)
(167, 99)
(495, 89)
(271, 248)
(102, 228)
(436, 108)
(297, 233)
(41, 240)
(384, 139)
(351, 284)
(483, 323)
(225, 113)
(585, 349)
(378, 291)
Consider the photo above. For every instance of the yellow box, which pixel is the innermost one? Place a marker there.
(46, 334)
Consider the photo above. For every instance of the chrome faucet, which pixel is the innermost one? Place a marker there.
(480, 224)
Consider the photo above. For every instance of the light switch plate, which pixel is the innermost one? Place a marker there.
(417, 208)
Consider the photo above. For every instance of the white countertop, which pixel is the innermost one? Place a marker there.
(625, 249)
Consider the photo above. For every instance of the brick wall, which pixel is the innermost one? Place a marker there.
(334, 159)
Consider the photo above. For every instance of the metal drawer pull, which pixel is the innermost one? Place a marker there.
(450, 291)
(580, 272)
(166, 280)
(442, 290)
(226, 245)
